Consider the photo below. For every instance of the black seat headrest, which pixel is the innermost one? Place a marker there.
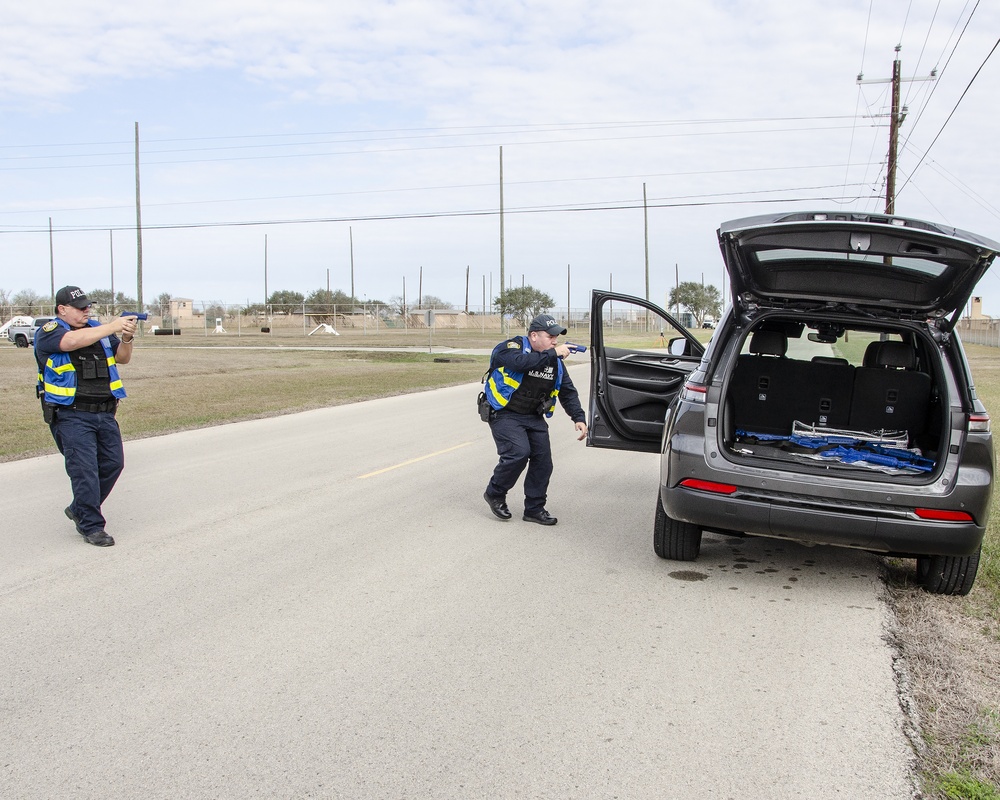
(870, 354)
(768, 343)
(896, 355)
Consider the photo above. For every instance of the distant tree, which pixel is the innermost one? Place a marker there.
(322, 302)
(286, 301)
(701, 301)
(523, 302)
(430, 301)
(27, 301)
(106, 304)
(214, 310)
(396, 305)
(161, 305)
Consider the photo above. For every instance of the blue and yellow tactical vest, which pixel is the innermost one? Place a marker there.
(57, 381)
(502, 386)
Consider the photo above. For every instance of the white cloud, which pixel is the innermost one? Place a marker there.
(82, 71)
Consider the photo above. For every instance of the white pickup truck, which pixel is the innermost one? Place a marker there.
(21, 331)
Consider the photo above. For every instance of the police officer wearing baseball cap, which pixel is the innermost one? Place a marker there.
(79, 386)
(526, 378)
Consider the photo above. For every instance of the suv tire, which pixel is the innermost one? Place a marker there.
(948, 574)
(673, 539)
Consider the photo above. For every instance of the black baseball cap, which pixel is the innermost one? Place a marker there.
(547, 323)
(72, 296)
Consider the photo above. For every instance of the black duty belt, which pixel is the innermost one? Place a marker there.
(96, 408)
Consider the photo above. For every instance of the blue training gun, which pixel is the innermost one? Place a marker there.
(576, 348)
(134, 314)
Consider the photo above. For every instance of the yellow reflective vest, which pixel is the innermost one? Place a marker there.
(57, 381)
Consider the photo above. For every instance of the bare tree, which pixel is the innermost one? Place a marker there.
(27, 301)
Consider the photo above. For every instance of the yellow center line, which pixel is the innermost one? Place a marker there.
(413, 461)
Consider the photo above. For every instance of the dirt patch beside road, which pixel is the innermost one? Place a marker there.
(951, 653)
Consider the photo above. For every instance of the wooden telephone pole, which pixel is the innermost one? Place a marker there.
(897, 115)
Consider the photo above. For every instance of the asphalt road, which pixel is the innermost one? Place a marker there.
(322, 605)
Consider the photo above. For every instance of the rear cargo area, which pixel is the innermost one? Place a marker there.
(827, 396)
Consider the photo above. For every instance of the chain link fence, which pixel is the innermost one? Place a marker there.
(979, 331)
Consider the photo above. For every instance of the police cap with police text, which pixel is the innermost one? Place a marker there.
(72, 296)
(547, 323)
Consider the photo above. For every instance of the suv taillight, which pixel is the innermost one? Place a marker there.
(694, 392)
(979, 422)
(709, 486)
(940, 515)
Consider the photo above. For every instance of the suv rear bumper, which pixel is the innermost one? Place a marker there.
(880, 532)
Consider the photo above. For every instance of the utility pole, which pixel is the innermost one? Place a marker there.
(645, 238)
(896, 117)
(503, 324)
(569, 310)
(111, 237)
(645, 234)
(894, 123)
(52, 268)
(138, 226)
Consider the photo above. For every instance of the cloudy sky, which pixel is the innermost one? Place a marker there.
(311, 122)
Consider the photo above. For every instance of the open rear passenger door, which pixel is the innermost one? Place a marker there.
(640, 358)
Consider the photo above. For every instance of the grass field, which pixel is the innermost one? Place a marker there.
(172, 387)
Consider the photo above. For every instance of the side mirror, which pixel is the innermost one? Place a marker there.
(679, 347)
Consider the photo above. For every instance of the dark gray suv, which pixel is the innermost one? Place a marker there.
(833, 405)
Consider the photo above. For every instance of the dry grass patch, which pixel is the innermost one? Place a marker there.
(173, 388)
(953, 663)
(951, 648)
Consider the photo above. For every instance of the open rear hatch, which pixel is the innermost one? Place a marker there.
(886, 267)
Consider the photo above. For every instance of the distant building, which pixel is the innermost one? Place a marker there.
(181, 308)
(976, 309)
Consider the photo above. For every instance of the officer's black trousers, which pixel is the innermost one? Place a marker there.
(522, 440)
(91, 443)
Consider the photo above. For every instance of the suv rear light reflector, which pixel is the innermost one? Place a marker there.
(943, 515)
(979, 423)
(708, 486)
(694, 392)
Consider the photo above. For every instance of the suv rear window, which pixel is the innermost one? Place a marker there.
(920, 266)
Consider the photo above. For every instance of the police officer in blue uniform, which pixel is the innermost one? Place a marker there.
(79, 386)
(526, 378)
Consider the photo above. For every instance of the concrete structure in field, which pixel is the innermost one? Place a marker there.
(976, 308)
(181, 308)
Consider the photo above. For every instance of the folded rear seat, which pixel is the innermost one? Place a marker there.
(892, 395)
(763, 385)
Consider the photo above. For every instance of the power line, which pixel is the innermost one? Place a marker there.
(950, 115)
(445, 187)
(147, 163)
(940, 74)
(576, 208)
(477, 130)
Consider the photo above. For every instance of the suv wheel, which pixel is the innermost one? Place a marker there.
(673, 539)
(948, 574)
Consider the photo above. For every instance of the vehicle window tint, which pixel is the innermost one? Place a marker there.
(923, 266)
(852, 345)
(635, 327)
